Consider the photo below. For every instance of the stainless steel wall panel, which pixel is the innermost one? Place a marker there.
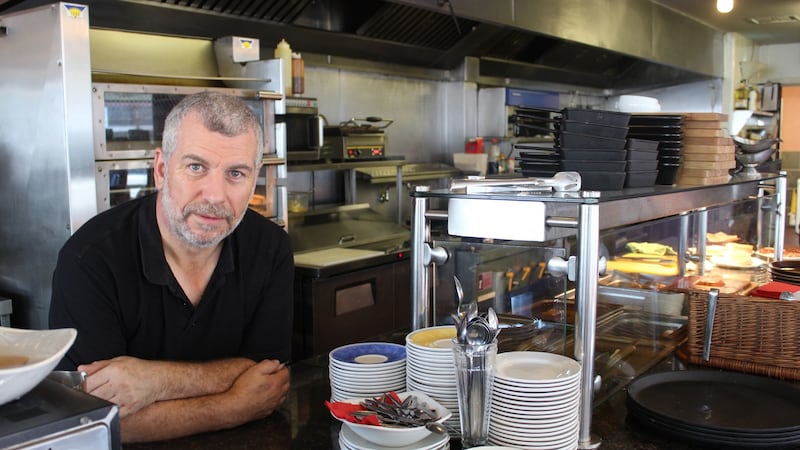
(682, 42)
(47, 185)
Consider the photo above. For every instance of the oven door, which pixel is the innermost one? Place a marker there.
(120, 181)
(304, 136)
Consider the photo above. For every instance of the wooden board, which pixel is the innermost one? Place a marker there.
(704, 132)
(702, 181)
(705, 172)
(708, 165)
(332, 256)
(702, 124)
(707, 141)
(695, 148)
(710, 157)
(706, 116)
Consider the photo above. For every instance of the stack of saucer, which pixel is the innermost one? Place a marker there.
(367, 369)
(430, 368)
(349, 440)
(535, 401)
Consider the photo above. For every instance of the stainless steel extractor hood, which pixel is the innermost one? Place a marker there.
(635, 44)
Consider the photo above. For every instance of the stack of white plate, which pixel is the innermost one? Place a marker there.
(535, 401)
(367, 369)
(430, 368)
(349, 440)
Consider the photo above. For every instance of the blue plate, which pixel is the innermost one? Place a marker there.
(369, 353)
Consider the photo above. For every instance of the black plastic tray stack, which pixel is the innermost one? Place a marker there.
(642, 168)
(667, 130)
(717, 409)
(590, 142)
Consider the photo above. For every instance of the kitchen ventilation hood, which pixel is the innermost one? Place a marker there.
(438, 34)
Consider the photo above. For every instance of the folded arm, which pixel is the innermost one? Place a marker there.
(166, 404)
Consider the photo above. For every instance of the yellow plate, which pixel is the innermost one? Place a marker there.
(433, 337)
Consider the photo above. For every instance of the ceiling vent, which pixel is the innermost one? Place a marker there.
(773, 20)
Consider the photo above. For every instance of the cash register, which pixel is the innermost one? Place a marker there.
(53, 416)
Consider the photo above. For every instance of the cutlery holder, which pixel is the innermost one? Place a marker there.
(751, 334)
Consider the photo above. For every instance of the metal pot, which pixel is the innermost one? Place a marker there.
(751, 146)
(754, 158)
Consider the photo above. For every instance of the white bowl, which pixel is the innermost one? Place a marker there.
(397, 436)
(42, 349)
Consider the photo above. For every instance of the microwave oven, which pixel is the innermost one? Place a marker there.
(304, 129)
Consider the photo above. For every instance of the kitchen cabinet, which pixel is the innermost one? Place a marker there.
(564, 231)
(361, 301)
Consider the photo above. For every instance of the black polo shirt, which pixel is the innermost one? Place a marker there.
(112, 283)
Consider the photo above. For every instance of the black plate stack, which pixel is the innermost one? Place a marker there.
(785, 271)
(667, 130)
(588, 141)
(717, 409)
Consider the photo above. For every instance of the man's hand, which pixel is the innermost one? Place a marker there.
(131, 383)
(260, 389)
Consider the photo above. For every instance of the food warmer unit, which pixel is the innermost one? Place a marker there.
(522, 244)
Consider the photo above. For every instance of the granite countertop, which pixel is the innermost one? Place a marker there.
(305, 423)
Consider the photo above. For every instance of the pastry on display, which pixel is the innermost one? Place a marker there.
(720, 237)
(789, 252)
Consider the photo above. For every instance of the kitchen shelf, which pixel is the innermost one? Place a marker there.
(343, 165)
(409, 172)
(393, 163)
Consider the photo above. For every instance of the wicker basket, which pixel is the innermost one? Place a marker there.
(750, 334)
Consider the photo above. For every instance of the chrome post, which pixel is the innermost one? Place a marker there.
(352, 181)
(399, 187)
(420, 290)
(702, 230)
(683, 243)
(780, 219)
(586, 317)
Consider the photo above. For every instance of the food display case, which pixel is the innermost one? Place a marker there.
(598, 276)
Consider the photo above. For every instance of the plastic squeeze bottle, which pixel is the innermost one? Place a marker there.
(284, 52)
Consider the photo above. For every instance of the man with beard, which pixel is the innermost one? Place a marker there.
(183, 299)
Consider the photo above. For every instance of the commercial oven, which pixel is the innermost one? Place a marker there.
(128, 126)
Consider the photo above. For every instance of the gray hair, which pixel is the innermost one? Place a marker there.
(219, 112)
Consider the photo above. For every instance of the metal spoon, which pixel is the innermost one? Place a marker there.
(478, 332)
(493, 322)
(439, 427)
(468, 309)
(462, 330)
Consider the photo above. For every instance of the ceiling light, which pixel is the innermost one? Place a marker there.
(724, 6)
